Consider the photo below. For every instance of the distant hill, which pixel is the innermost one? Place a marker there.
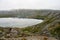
(27, 13)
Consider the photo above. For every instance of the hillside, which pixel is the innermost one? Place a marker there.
(51, 22)
(27, 13)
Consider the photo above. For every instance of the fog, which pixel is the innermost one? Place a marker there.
(29, 4)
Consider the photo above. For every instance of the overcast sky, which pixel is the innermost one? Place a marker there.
(29, 4)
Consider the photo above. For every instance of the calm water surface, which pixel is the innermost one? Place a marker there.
(18, 22)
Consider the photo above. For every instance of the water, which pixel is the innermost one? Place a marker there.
(18, 22)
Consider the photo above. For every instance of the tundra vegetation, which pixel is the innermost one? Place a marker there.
(50, 26)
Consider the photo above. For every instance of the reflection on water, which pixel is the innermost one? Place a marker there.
(18, 22)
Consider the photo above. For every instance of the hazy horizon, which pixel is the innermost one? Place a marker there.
(29, 4)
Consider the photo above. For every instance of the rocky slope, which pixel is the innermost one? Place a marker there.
(51, 21)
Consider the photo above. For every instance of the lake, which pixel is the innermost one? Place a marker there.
(18, 22)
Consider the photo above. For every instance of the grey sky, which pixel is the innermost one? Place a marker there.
(29, 4)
